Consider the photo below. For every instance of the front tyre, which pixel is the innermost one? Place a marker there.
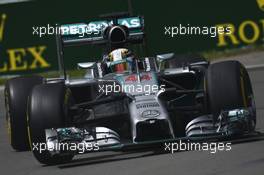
(228, 87)
(48, 108)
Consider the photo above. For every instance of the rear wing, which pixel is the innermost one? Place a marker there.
(93, 32)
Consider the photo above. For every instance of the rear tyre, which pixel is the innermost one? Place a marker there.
(229, 87)
(17, 91)
(48, 108)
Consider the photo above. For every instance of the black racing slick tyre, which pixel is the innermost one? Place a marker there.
(229, 87)
(17, 91)
(48, 108)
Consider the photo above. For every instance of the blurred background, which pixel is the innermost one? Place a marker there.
(21, 52)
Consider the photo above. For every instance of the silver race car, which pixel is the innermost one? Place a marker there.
(124, 100)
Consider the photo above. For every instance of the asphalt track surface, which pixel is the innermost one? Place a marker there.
(245, 157)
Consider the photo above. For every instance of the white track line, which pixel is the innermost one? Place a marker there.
(258, 66)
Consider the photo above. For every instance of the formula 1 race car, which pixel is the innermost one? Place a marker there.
(123, 100)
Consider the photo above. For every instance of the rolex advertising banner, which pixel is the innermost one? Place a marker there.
(27, 29)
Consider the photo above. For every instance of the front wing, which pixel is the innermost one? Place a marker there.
(229, 125)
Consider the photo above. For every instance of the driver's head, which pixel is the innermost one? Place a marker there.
(121, 60)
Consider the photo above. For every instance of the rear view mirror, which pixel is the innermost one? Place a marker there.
(86, 65)
(89, 67)
(163, 57)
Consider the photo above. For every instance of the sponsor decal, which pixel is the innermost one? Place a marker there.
(150, 114)
(147, 105)
(97, 26)
(247, 32)
(146, 77)
(261, 4)
(131, 78)
(22, 58)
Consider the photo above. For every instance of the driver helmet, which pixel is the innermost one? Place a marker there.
(121, 60)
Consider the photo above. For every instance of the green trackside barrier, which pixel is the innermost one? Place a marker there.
(23, 52)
